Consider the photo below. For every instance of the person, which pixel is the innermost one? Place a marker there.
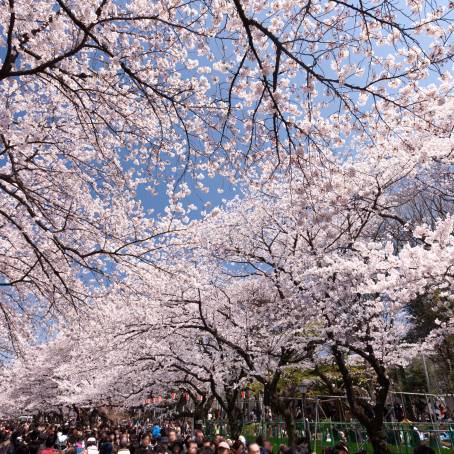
(145, 447)
(253, 448)
(340, 448)
(191, 447)
(422, 449)
(106, 446)
(80, 443)
(172, 437)
(156, 431)
(124, 446)
(49, 446)
(218, 439)
(268, 447)
(91, 447)
(399, 412)
(199, 437)
(160, 449)
(223, 448)
(34, 443)
(173, 446)
(175, 449)
(61, 440)
(238, 447)
(206, 450)
(207, 444)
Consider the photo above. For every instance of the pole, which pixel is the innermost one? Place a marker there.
(316, 425)
(306, 428)
(426, 372)
(429, 402)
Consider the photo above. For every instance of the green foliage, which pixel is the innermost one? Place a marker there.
(426, 310)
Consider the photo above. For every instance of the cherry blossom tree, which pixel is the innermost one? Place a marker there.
(103, 98)
(292, 274)
(333, 119)
(344, 250)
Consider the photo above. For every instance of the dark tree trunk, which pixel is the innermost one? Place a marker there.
(202, 408)
(235, 423)
(371, 418)
(377, 439)
(234, 414)
(290, 427)
(286, 408)
(228, 402)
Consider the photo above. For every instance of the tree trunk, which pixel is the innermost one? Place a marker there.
(377, 438)
(228, 402)
(290, 427)
(235, 424)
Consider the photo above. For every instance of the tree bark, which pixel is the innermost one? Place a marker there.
(377, 438)
(235, 423)
(290, 427)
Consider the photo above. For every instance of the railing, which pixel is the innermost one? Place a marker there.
(402, 438)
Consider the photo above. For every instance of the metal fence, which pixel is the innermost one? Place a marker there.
(402, 437)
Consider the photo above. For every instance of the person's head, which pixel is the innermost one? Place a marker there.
(283, 448)
(268, 446)
(206, 450)
(177, 448)
(237, 447)
(191, 447)
(50, 441)
(34, 436)
(253, 448)
(218, 439)
(91, 441)
(124, 442)
(198, 434)
(223, 448)
(340, 448)
(160, 449)
(172, 436)
(146, 441)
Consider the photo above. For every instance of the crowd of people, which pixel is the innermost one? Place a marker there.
(168, 438)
